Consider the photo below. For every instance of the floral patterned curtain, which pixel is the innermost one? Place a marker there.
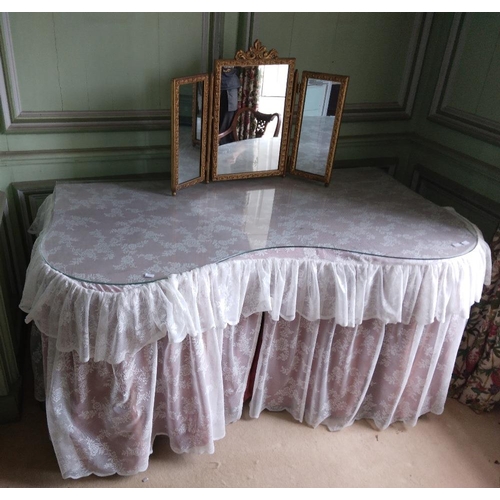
(476, 376)
(249, 93)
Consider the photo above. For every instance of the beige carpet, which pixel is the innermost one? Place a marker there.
(455, 449)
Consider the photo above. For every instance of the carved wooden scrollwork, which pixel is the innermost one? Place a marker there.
(256, 52)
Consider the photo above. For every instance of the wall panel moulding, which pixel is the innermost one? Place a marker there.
(14, 84)
(401, 109)
(443, 110)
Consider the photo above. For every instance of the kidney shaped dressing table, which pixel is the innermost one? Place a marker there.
(349, 302)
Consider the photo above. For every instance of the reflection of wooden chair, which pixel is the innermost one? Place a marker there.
(262, 119)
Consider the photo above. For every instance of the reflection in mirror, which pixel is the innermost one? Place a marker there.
(258, 213)
(252, 103)
(320, 112)
(197, 107)
(189, 131)
(252, 106)
(317, 125)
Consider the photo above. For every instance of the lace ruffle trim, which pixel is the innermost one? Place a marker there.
(106, 322)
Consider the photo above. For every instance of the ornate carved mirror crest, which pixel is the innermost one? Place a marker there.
(257, 51)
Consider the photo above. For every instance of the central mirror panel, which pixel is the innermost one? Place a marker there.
(251, 115)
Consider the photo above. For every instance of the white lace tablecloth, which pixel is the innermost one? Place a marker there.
(150, 308)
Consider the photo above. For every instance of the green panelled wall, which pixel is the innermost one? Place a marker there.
(354, 44)
(478, 91)
(124, 61)
(465, 148)
(10, 340)
(374, 49)
(102, 61)
(424, 88)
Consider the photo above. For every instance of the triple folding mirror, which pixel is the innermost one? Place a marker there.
(243, 122)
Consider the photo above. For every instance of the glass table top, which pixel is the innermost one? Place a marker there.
(136, 232)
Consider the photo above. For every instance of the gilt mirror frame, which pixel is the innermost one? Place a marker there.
(257, 55)
(339, 109)
(175, 132)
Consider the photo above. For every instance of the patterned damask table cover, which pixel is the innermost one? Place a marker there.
(150, 308)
